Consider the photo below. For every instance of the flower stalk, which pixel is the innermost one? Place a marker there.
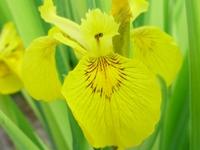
(193, 11)
(26, 20)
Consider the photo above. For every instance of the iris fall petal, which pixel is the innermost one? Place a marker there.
(158, 51)
(112, 100)
(39, 70)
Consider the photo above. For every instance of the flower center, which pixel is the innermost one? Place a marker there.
(4, 70)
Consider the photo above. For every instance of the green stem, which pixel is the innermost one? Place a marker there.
(91, 4)
(177, 112)
(18, 137)
(106, 7)
(5, 15)
(167, 11)
(165, 91)
(10, 108)
(193, 17)
(31, 103)
(27, 20)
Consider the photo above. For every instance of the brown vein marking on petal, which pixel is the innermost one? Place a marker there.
(105, 75)
(4, 70)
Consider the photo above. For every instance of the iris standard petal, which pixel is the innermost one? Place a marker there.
(158, 51)
(121, 10)
(39, 71)
(138, 7)
(125, 10)
(115, 100)
(70, 28)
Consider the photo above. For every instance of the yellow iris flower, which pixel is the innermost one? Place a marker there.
(116, 100)
(11, 52)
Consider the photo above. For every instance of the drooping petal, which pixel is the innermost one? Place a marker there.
(158, 51)
(115, 100)
(9, 81)
(39, 70)
(10, 84)
(70, 28)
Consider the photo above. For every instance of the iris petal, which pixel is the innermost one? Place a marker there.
(9, 40)
(39, 70)
(70, 28)
(11, 54)
(124, 10)
(115, 100)
(121, 10)
(9, 81)
(158, 51)
(10, 84)
(14, 60)
(61, 37)
(138, 7)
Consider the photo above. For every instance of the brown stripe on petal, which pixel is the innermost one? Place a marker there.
(105, 75)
